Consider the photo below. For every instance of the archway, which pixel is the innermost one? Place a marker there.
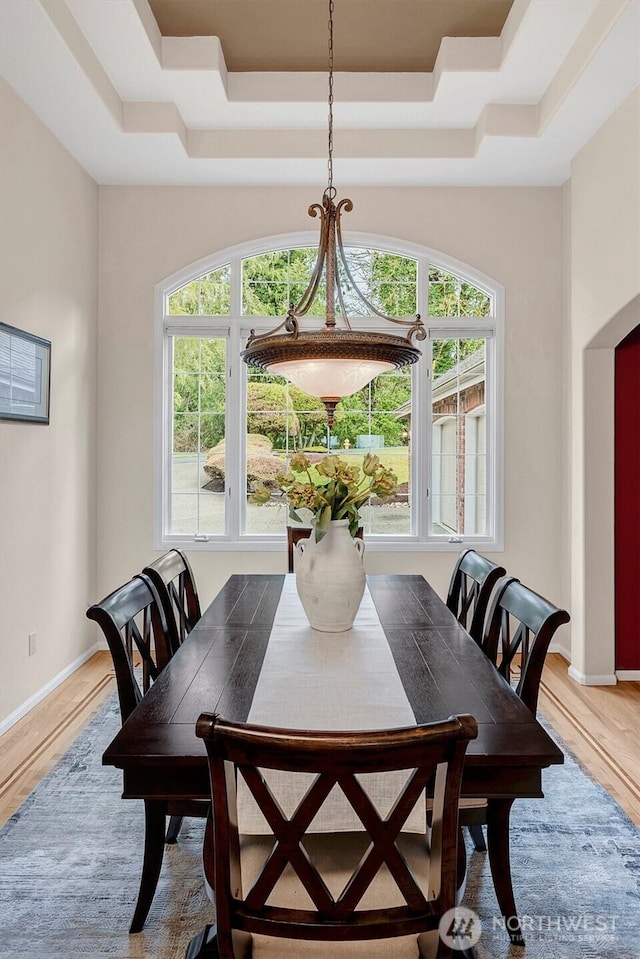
(593, 541)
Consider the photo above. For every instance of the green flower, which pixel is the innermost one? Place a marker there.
(370, 464)
(303, 495)
(334, 489)
(328, 466)
(260, 495)
(384, 483)
(299, 463)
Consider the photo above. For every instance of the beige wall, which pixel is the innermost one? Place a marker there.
(605, 284)
(48, 286)
(514, 235)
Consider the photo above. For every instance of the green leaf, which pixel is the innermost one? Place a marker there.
(322, 523)
(295, 516)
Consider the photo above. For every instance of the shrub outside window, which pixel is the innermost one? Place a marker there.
(222, 427)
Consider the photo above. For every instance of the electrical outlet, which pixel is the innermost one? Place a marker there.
(32, 643)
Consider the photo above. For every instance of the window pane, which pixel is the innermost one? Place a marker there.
(273, 431)
(271, 281)
(185, 393)
(210, 295)
(451, 296)
(474, 302)
(198, 456)
(265, 299)
(395, 299)
(388, 281)
(444, 299)
(212, 393)
(458, 463)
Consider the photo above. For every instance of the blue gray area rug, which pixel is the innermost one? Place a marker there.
(70, 866)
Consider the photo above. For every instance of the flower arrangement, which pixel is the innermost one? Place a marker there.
(336, 491)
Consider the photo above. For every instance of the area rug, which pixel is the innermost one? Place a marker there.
(70, 866)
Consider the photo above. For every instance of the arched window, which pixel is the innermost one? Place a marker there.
(223, 427)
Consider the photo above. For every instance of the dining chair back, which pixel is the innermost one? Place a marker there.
(269, 903)
(173, 579)
(519, 625)
(135, 626)
(472, 582)
(519, 628)
(296, 533)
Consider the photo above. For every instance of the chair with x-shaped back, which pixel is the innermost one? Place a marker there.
(172, 577)
(141, 639)
(293, 885)
(472, 582)
(519, 627)
(175, 585)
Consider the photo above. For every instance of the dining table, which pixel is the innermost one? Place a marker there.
(247, 641)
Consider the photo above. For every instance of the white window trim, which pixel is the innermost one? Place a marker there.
(471, 450)
(235, 323)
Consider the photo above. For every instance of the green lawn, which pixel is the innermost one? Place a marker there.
(395, 458)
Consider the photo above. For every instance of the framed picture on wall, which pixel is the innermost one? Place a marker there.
(25, 376)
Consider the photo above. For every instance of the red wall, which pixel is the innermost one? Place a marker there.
(627, 501)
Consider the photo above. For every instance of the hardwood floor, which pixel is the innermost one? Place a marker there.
(33, 746)
(601, 725)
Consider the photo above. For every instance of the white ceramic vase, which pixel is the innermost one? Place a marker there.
(330, 578)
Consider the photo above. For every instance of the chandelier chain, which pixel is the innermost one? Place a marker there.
(330, 189)
(307, 357)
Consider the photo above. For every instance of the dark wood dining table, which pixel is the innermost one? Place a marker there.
(443, 672)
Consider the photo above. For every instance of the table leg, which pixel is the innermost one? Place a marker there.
(154, 832)
(498, 844)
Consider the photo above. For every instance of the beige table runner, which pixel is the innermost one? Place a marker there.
(314, 680)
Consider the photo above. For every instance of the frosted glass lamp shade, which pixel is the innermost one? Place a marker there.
(330, 377)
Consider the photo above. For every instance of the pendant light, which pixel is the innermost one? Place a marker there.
(335, 360)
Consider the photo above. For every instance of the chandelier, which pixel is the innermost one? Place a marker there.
(335, 360)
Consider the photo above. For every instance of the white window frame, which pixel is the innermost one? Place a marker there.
(235, 326)
(471, 463)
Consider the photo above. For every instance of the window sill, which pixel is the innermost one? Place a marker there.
(373, 544)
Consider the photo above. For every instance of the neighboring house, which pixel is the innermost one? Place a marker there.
(458, 480)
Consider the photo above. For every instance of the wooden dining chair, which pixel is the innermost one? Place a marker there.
(518, 630)
(296, 885)
(141, 641)
(173, 579)
(472, 582)
(296, 533)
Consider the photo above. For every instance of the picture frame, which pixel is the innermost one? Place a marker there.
(25, 376)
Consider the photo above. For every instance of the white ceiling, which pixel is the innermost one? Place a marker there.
(136, 108)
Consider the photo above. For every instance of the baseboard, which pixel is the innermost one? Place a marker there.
(557, 647)
(592, 679)
(628, 675)
(49, 687)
